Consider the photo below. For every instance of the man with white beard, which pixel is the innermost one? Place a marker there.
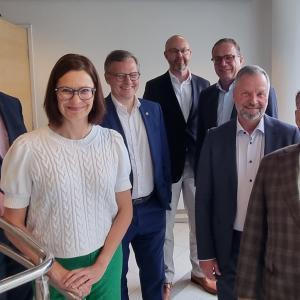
(227, 167)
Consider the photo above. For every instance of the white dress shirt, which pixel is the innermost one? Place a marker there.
(138, 148)
(249, 152)
(183, 92)
(225, 104)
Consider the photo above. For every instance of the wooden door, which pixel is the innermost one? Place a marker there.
(15, 79)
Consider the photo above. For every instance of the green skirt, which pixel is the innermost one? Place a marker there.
(108, 287)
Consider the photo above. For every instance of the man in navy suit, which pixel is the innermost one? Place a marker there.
(216, 102)
(141, 124)
(177, 91)
(11, 126)
(227, 167)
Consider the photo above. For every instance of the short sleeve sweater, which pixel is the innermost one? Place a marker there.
(69, 186)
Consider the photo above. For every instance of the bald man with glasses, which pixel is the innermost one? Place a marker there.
(177, 91)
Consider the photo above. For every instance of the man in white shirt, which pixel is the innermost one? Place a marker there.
(177, 91)
(271, 226)
(226, 172)
(216, 104)
(141, 124)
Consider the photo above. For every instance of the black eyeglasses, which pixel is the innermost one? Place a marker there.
(229, 58)
(123, 76)
(66, 93)
(183, 51)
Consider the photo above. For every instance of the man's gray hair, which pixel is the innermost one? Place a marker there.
(118, 55)
(251, 70)
(225, 41)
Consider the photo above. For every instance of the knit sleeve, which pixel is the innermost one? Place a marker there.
(15, 174)
(122, 158)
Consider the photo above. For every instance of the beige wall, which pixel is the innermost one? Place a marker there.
(14, 67)
(96, 27)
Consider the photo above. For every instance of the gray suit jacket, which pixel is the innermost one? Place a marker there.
(269, 259)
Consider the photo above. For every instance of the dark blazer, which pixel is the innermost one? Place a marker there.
(216, 184)
(269, 253)
(153, 120)
(208, 109)
(11, 113)
(181, 134)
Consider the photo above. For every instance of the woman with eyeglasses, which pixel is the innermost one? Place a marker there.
(71, 179)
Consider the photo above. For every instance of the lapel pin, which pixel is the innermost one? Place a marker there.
(147, 114)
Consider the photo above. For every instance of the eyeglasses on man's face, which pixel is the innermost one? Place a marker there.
(183, 51)
(66, 93)
(133, 76)
(229, 58)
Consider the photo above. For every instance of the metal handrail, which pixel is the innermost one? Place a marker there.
(33, 272)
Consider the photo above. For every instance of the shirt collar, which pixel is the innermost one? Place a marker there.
(260, 127)
(218, 85)
(175, 80)
(121, 107)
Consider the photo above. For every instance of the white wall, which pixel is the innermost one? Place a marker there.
(285, 54)
(94, 28)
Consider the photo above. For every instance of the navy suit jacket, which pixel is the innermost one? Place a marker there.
(154, 124)
(181, 134)
(11, 113)
(208, 109)
(216, 184)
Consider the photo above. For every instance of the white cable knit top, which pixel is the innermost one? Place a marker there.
(69, 186)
